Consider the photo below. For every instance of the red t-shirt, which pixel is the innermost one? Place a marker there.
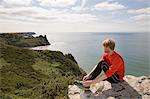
(116, 63)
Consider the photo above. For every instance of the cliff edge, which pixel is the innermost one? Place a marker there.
(131, 88)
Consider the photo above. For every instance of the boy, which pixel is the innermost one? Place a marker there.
(111, 63)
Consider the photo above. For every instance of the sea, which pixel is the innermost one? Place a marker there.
(87, 49)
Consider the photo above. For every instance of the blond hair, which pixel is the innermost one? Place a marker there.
(109, 43)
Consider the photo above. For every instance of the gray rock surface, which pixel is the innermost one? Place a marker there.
(131, 88)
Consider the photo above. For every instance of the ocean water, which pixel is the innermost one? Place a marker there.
(87, 49)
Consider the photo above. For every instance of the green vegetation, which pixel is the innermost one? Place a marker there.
(35, 74)
(23, 39)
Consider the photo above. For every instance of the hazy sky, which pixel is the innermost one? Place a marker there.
(74, 15)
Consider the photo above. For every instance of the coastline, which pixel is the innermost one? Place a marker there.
(26, 66)
(24, 39)
(41, 74)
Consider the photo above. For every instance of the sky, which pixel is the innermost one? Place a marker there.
(45, 16)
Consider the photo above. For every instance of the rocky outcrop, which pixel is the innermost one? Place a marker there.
(71, 57)
(24, 39)
(131, 88)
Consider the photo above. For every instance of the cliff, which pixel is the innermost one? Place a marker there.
(23, 39)
(35, 74)
(131, 88)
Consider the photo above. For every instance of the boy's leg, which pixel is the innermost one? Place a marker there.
(102, 65)
(96, 71)
(114, 78)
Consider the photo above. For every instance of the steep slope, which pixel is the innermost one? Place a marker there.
(35, 74)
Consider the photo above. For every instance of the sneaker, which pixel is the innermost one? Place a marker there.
(80, 84)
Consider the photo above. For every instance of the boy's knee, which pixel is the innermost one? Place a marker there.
(103, 65)
(101, 62)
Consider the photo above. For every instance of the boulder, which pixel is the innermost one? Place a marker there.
(131, 88)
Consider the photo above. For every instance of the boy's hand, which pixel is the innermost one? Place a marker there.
(86, 77)
(87, 83)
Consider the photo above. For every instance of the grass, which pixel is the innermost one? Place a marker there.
(37, 74)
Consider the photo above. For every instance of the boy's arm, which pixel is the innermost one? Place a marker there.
(92, 70)
(99, 78)
(112, 69)
(116, 63)
(102, 58)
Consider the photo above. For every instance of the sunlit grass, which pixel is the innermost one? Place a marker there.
(35, 74)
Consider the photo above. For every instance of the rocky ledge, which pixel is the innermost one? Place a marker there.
(131, 88)
(24, 39)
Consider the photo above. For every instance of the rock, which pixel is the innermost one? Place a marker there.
(69, 56)
(23, 39)
(132, 87)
